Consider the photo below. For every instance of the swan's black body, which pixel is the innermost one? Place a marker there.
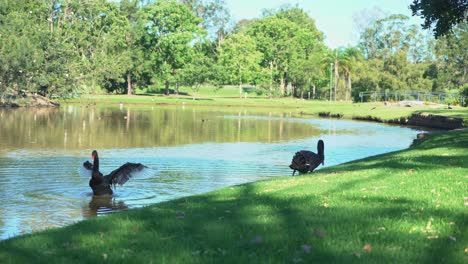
(101, 184)
(306, 161)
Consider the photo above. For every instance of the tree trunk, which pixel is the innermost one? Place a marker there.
(240, 83)
(283, 85)
(349, 86)
(348, 83)
(51, 20)
(271, 79)
(129, 84)
(167, 87)
(220, 37)
(336, 76)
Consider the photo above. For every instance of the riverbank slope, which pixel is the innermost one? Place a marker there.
(404, 207)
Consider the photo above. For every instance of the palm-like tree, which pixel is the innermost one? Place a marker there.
(344, 61)
(349, 60)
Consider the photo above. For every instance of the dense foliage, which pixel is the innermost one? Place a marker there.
(443, 13)
(62, 48)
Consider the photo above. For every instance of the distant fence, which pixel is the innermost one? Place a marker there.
(412, 96)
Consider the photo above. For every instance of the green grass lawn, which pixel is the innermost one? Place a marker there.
(408, 206)
(347, 110)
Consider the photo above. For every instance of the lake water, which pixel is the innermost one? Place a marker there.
(191, 150)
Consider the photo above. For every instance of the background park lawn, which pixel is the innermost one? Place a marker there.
(228, 98)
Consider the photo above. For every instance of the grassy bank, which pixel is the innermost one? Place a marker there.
(346, 110)
(402, 207)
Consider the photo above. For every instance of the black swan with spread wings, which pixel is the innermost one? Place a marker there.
(101, 184)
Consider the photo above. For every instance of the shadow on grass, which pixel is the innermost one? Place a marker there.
(162, 91)
(250, 225)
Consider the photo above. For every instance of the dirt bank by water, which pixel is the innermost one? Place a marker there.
(26, 100)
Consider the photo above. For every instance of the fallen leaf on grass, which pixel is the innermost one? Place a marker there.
(306, 248)
(320, 233)
(221, 251)
(50, 252)
(180, 215)
(393, 248)
(257, 239)
(136, 228)
(367, 248)
(296, 260)
(209, 252)
(66, 245)
(429, 224)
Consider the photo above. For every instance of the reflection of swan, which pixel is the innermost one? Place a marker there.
(102, 184)
(306, 161)
(103, 204)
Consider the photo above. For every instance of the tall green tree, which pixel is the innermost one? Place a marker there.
(201, 70)
(22, 41)
(450, 69)
(386, 36)
(283, 36)
(240, 59)
(343, 62)
(215, 16)
(397, 55)
(170, 28)
(307, 74)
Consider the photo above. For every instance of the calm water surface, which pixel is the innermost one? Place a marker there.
(192, 150)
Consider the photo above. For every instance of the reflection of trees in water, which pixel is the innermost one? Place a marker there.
(103, 204)
(77, 127)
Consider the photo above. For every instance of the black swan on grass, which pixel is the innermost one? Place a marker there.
(101, 184)
(306, 161)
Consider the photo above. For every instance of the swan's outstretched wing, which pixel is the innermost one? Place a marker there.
(86, 169)
(127, 171)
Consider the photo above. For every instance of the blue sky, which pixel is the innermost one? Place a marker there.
(335, 18)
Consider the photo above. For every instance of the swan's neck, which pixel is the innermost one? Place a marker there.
(96, 163)
(320, 150)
